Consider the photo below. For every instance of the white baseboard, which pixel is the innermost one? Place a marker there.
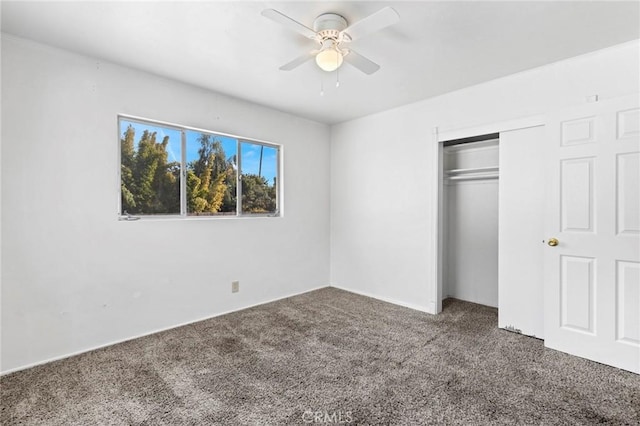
(386, 299)
(115, 342)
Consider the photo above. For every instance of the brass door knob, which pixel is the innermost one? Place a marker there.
(553, 242)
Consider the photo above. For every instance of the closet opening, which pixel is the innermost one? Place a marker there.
(470, 172)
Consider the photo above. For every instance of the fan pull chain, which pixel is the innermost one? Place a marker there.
(321, 88)
(338, 77)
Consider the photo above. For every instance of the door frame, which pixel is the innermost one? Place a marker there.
(442, 136)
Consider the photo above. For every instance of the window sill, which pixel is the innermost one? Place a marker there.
(164, 218)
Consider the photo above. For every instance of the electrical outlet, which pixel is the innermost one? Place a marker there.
(235, 286)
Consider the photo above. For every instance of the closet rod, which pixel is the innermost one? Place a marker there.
(473, 170)
(473, 177)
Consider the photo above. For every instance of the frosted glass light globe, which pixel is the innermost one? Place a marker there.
(329, 60)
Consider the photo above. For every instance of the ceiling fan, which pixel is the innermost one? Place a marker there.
(332, 32)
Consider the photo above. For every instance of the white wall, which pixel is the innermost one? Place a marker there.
(471, 272)
(384, 169)
(73, 276)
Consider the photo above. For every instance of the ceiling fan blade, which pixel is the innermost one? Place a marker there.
(289, 23)
(372, 23)
(363, 64)
(297, 62)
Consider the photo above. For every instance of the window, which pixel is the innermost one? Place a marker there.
(174, 170)
(259, 164)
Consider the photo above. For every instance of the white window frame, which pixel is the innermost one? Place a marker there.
(183, 173)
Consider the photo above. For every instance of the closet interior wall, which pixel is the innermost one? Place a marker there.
(471, 221)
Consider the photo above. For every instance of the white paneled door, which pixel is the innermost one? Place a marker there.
(592, 257)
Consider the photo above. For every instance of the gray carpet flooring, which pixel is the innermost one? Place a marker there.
(328, 356)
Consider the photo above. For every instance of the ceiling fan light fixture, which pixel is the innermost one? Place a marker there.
(329, 59)
(333, 32)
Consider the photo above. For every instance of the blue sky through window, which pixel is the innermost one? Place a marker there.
(228, 144)
(173, 147)
(251, 152)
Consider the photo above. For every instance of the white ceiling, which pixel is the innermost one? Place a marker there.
(228, 47)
